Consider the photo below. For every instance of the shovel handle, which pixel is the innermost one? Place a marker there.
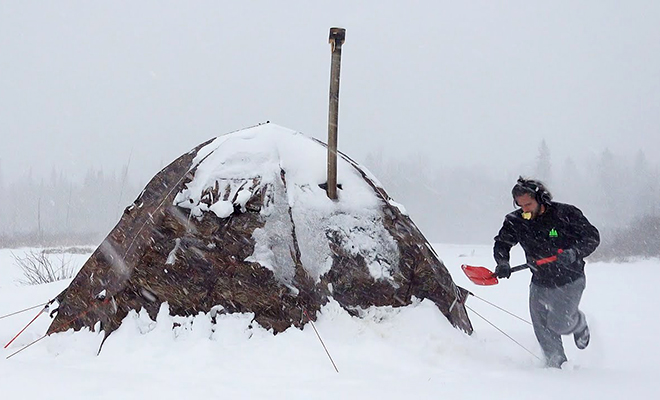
(538, 262)
(549, 259)
(517, 268)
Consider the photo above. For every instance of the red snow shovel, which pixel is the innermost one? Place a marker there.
(484, 277)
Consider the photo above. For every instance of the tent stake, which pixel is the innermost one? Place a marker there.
(30, 323)
(321, 340)
(25, 347)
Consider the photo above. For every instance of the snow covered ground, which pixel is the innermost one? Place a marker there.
(409, 352)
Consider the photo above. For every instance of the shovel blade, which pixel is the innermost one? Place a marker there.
(479, 275)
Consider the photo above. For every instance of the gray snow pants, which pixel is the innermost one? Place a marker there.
(555, 312)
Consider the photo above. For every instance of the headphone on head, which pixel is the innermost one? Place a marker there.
(533, 187)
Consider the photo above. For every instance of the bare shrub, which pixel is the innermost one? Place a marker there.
(38, 268)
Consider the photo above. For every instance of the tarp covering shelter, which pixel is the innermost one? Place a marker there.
(241, 224)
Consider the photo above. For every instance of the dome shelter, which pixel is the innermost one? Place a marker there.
(241, 224)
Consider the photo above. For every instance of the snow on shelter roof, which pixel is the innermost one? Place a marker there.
(294, 165)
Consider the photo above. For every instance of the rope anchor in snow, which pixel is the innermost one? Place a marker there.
(496, 327)
(44, 309)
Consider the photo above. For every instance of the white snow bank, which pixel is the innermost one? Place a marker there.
(391, 353)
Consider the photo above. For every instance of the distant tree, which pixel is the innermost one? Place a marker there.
(5, 209)
(53, 177)
(68, 207)
(654, 191)
(124, 182)
(543, 163)
(2, 181)
(643, 186)
(613, 190)
(374, 163)
(570, 182)
(39, 228)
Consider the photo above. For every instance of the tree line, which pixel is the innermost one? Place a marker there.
(450, 205)
(58, 210)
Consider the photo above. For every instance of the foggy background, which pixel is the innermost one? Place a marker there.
(445, 103)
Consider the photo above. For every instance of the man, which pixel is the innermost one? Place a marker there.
(545, 228)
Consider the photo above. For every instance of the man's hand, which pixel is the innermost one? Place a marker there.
(503, 270)
(567, 257)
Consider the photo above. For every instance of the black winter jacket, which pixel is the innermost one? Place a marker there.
(561, 226)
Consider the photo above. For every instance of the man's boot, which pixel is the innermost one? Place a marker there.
(581, 335)
(555, 361)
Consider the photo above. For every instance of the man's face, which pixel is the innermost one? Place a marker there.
(529, 205)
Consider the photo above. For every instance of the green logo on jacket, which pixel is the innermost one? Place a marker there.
(553, 233)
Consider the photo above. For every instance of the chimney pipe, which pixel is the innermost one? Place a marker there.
(337, 38)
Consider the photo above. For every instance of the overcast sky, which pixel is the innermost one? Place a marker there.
(91, 83)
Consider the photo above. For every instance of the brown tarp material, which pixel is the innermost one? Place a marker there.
(134, 268)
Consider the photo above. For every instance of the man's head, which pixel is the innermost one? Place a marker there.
(530, 207)
(532, 196)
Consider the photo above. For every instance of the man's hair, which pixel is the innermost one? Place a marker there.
(533, 187)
